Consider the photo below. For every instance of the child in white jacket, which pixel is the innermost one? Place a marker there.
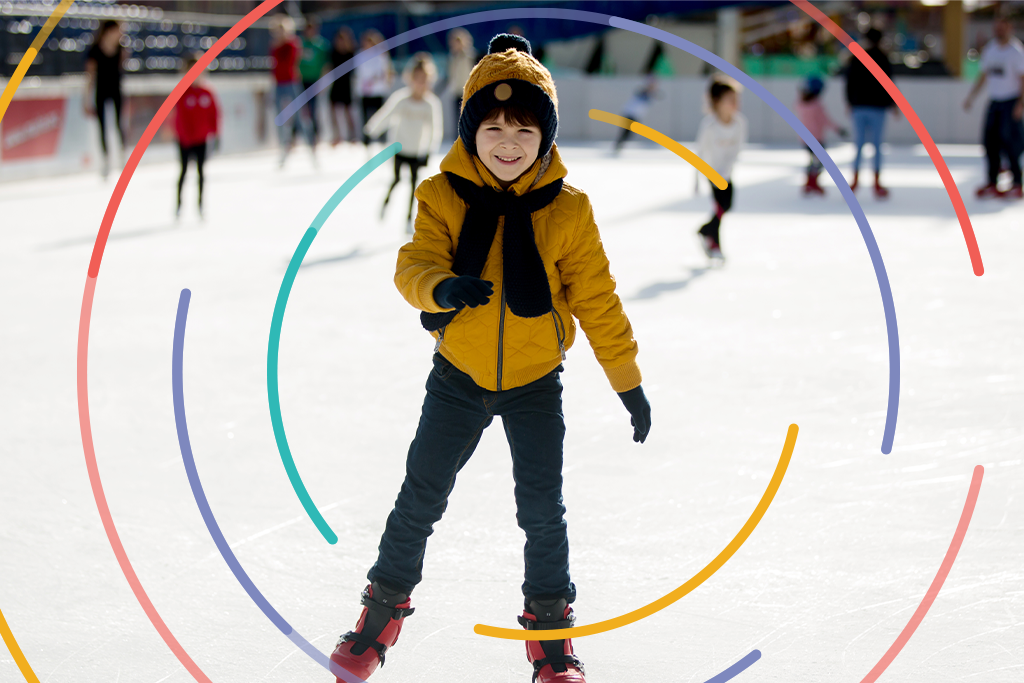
(412, 116)
(720, 137)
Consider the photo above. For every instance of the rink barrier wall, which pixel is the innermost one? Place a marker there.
(46, 132)
(247, 116)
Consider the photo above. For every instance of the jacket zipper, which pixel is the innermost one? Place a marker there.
(440, 338)
(501, 336)
(559, 331)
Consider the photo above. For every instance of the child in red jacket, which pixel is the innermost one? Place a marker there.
(196, 120)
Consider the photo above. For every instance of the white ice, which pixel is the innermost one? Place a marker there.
(791, 330)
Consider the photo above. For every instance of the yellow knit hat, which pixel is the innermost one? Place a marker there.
(509, 74)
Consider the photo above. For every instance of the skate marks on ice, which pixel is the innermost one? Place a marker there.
(15, 650)
(665, 141)
(274, 345)
(177, 388)
(696, 580)
(936, 585)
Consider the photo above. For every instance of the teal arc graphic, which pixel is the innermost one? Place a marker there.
(274, 347)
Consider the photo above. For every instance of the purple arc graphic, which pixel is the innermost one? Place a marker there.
(178, 393)
(888, 305)
(736, 669)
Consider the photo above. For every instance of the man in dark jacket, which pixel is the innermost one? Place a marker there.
(868, 101)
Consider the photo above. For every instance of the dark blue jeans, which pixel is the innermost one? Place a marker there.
(1003, 135)
(455, 413)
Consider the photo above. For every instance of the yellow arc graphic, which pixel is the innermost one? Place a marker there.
(19, 657)
(30, 55)
(663, 602)
(665, 141)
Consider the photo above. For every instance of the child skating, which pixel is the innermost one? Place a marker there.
(636, 108)
(503, 258)
(412, 117)
(720, 137)
(196, 121)
(812, 113)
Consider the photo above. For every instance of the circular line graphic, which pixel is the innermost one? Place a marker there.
(888, 305)
(117, 196)
(697, 579)
(178, 393)
(274, 346)
(915, 122)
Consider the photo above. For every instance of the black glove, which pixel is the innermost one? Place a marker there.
(640, 411)
(843, 133)
(459, 292)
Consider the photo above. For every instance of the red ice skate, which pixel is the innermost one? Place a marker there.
(361, 651)
(553, 660)
(989, 190)
(855, 181)
(1015, 192)
(880, 192)
(812, 186)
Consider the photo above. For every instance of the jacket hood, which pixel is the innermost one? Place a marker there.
(469, 166)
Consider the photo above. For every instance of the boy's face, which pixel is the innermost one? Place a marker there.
(727, 105)
(507, 151)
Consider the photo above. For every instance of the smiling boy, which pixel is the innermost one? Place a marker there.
(505, 255)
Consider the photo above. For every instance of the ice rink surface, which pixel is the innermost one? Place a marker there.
(791, 330)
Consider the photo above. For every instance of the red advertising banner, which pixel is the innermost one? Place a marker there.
(31, 129)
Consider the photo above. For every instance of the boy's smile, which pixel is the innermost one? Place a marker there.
(507, 150)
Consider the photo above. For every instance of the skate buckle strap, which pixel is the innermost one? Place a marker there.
(353, 636)
(395, 613)
(557, 659)
(531, 625)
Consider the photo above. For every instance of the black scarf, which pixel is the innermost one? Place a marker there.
(525, 281)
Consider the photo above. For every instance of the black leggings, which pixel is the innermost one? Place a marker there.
(101, 111)
(197, 152)
(370, 105)
(723, 202)
(414, 164)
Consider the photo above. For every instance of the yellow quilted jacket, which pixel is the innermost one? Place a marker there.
(498, 349)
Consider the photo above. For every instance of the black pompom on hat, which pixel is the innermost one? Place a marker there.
(509, 41)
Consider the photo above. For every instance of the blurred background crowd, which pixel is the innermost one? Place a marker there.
(115, 63)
